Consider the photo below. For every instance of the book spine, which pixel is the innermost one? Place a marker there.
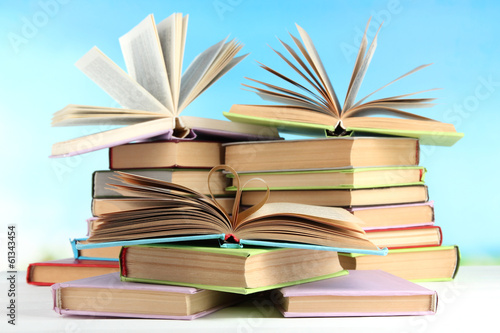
(417, 153)
(122, 261)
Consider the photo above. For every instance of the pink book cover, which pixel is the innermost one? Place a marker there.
(426, 223)
(112, 281)
(359, 283)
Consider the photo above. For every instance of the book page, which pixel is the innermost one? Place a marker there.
(118, 84)
(196, 70)
(172, 34)
(145, 60)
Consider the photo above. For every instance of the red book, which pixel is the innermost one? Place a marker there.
(398, 238)
(55, 271)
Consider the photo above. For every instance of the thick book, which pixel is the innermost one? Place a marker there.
(358, 294)
(192, 178)
(342, 197)
(190, 215)
(242, 271)
(424, 264)
(395, 216)
(321, 153)
(84, 297)
(167, 154)
(409, 237)
(47, 273)
(101, 253)
(153, 93)
(334, 178)
(313, 108)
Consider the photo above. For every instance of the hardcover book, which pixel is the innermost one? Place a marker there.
(313, 108)
(243, 271)
(342, 197)
(395, 216)
(47, 273)
(358, 294)
(135, 300)
(321, 154)
(423, 264)
(167, 154)
(398, 238)
(343, 178)
(153, 93)
(193, 178)
(101, 253)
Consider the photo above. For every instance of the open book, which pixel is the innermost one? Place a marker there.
(190, 215)
(316, 108)
(153, 93)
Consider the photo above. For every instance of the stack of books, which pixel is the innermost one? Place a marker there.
(326, 223)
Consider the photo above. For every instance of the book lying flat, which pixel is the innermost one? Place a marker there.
(288, 155)
(242, 271)
(153, 93)
(47, 273)
(358, 294)
(314, 109)
(135, 300)
(189, 215)
(423, 264)
(101, 253)
(397, 238)
(319, 179)
(342, 197)
(395, 216)
(167, 154)
(192, 178)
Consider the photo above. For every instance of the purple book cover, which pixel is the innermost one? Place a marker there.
(112, 281)
(168, 134)
(359, 283)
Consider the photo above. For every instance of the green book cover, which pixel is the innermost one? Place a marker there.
(317, 130)
(262, 174)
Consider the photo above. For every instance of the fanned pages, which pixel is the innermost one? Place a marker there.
(316, 110)
(186, 212)
(153, 88)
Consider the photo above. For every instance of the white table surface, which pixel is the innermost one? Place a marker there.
(469, 303)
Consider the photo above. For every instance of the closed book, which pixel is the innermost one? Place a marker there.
(47, 273)
(343, 178)
(135, 300)
(193, 178)
(321, 153)
(242, 270)
(342, 197)
(166, 154)
(423, 264)
(398, 238)
(99, 253)
(358, 294)
(395, 216)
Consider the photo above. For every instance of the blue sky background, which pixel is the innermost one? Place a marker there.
(49, 199)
